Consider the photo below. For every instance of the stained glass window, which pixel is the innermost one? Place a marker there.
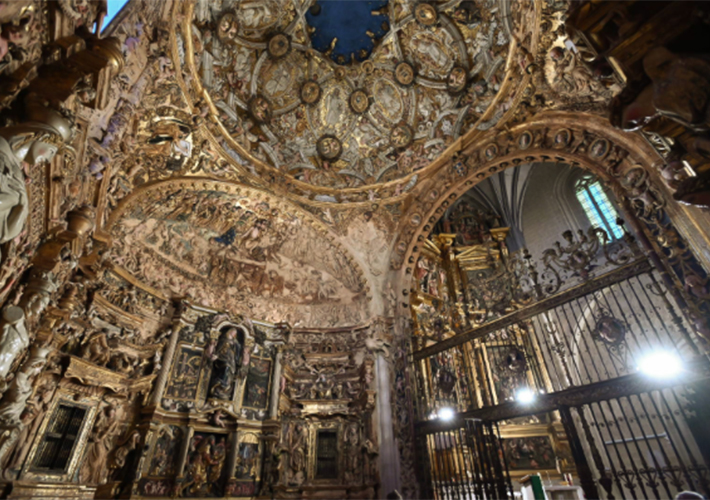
(600, 212)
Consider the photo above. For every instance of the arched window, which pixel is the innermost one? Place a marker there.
(596, 204)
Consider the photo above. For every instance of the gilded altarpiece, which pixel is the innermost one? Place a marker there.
(214, 409)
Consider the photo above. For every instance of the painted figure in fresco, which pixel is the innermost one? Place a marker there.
(226, 360)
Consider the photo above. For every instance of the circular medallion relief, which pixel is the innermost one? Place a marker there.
(561, 138)
(457, 80)
(260, 108)
(599, 148)
(359, 101)
(404, 74)
(426, 14)
(329, 147)
(525, 140)
(401, 136)
(278, 46)
(491, 151)
(310, 92)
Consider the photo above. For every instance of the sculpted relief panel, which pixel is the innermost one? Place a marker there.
(434, 73)
(234, 248)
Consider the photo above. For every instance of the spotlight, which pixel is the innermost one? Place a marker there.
(525, 396)
(446, 414)
(660, 364)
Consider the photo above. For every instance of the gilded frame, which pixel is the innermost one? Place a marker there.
(313, 429)
(91, 405)
(549, 431)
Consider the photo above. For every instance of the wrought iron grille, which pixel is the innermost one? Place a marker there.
(327, 455)
(569, 330)
(58, 441)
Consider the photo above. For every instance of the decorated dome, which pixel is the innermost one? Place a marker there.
(340, 97)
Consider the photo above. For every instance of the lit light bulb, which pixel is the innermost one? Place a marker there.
(525, 396)
(446, 414)
(660, 364)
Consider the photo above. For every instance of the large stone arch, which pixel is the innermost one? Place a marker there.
(628, 167)
(625, 162)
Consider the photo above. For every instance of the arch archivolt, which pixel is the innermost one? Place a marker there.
(623, 161)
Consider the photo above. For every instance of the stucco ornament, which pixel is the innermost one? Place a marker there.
(432, 73)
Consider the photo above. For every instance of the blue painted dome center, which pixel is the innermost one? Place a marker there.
(347, 30)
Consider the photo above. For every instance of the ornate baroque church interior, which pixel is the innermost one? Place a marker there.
(329, 249)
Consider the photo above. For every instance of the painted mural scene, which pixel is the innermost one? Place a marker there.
(354, 249)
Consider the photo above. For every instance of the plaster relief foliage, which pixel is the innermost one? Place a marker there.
(439, 72)
(234, 248)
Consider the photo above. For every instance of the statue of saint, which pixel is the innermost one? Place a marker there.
(226, 358)
(14, 339)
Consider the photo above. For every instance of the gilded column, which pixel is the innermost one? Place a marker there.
(168, 356)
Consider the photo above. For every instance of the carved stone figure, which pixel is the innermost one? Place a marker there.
(352, 454)
(129, 444)
(226, 360)
(13, 194)
(14, 339)
(31, 418)
(15, 399)
(95, 348)
(297, 453)
(105, 429)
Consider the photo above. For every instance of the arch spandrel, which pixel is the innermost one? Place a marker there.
(279, 130)
(239, 249)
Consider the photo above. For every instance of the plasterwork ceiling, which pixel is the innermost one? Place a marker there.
(238, 249)
(357, 132)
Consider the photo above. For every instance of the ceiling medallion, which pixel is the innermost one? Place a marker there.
(401, 136)
(404, 74)
(329, 147)
(310, 92)
(260, 108)
(457, 80)
(426, 14)
(278, 46)
(359, 101)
